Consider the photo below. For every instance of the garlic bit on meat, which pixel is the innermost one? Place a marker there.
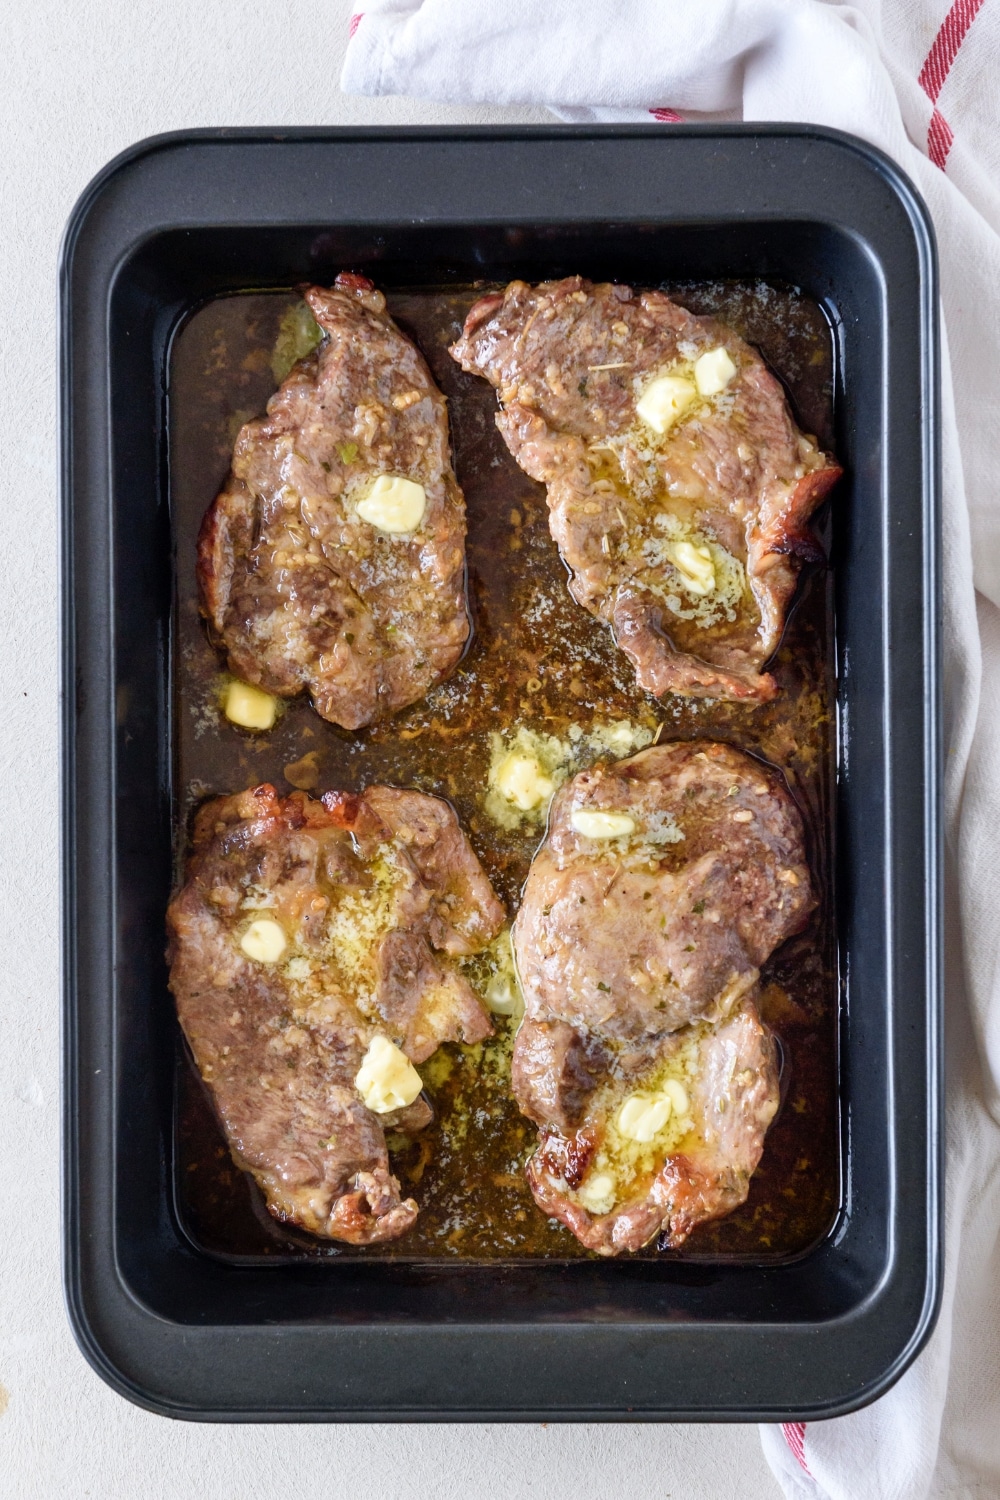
(386, 1080)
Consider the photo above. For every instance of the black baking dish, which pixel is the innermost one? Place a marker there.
(184, 218)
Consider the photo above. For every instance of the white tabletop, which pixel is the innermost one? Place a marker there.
(81, 82)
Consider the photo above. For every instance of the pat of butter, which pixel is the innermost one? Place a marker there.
(597, 1193)
(678, 1096)
(503, 991)
(394, 504)
(642, 1117)
(601, 825)
(386, 1079)
(522, 781)
(664, 400)
(250, 707)
(264, 941)
(713, 371)
(694, 564)
(503, 997)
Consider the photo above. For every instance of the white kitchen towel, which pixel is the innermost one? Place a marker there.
(919, 80)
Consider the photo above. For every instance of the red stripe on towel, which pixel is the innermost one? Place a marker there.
(937, 66)
(355, 23)
(668, 116)
(946, 44)
(795, 1437)
(939, 138)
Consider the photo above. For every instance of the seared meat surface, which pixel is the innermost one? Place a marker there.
(665, 881)
(679, 487)
(306, 933)
(636, 935)
(333, 560)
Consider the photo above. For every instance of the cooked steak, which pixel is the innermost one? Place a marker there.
(664, 883)
(333, 560)
(307, 935)
(679, 486)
